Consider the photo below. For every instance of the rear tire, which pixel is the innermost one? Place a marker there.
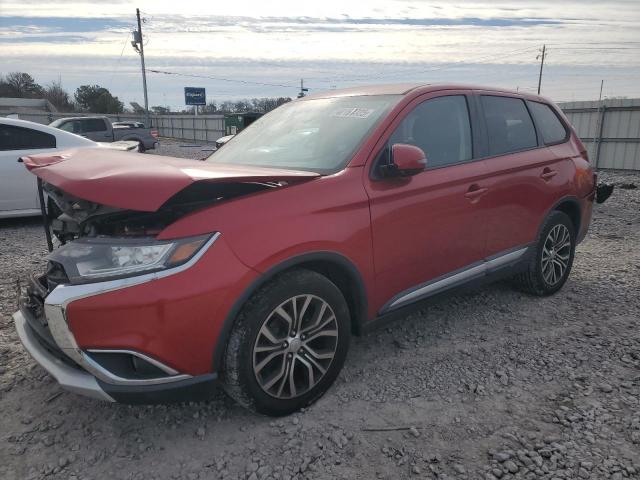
(141, 148)
(288, 344)
(549, 267)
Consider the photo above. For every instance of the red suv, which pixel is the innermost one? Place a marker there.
(322, 219)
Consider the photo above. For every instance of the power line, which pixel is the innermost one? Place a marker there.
(427, 70)
(221, 79)
(126, 40)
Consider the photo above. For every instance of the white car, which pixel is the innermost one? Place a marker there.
(18, 138)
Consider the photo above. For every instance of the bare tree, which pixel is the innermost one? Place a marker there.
(21, 85)
(58, 97)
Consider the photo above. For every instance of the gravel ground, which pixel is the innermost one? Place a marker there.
(493, 384)
(185, 149)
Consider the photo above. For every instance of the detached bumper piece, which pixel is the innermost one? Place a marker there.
(603, 191)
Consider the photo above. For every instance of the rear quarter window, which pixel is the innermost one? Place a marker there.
(72, 126)
(550, 126)
(20, 138)
(509, 125)
(93, 125)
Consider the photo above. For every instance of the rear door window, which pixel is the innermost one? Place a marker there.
(93, 125)
(20, 138)
(550, 126)
(441, 128)
(509, 125)
(72, 126)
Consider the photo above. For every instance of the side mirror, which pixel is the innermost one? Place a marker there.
(406, 160)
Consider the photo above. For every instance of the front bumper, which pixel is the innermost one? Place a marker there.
(77, 380)
(143, 339)
(70, 378)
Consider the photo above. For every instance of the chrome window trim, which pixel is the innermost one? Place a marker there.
(55, 311)
(488, 265)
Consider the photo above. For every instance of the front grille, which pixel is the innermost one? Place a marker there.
(32, 307)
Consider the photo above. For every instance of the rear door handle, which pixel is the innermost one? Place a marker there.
(475, 192)
(548, 174)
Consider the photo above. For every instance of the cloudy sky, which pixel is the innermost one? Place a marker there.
(240, 49)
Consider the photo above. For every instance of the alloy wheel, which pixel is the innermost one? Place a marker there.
(556, 253)
(295, 346)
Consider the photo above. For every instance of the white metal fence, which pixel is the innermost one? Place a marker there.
(610, 130)
(201, 128)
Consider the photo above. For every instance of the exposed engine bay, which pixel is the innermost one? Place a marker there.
(70, 218)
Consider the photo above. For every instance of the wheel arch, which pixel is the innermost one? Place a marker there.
(571, 207)
(568, 205)
(132, 137)
(335, 266)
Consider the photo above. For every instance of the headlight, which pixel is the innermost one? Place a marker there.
(95, 259)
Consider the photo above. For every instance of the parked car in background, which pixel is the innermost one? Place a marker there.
(222, 140)
(331, 215)
(100, 129)
(18, 193)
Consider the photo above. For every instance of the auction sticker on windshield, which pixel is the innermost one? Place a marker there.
(353, 112)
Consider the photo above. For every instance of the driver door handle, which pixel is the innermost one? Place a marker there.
(475, 192)
(547, 174)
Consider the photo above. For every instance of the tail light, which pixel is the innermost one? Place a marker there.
(154, 133)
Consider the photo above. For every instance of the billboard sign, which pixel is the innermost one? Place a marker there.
(194, 96)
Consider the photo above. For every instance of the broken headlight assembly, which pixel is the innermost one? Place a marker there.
(97, 259)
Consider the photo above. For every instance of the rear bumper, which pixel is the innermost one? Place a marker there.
(586, 212)
(82, 382)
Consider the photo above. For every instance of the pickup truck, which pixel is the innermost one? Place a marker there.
(100, 129)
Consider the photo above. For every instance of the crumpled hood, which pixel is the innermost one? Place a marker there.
(140, 182)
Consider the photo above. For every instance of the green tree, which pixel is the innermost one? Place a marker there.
(97, 99)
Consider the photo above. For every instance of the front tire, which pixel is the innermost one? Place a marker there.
(288, 344)
(549, 268)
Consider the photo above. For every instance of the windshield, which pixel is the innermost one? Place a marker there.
(317, 135)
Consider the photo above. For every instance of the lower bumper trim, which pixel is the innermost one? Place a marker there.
(72, 379)
(199, 388)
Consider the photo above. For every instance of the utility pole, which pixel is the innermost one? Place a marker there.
(302, 89)
(601, 85)
(138, 40)
(544, 51)
(595, 150)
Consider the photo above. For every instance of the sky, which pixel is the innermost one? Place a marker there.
(246, 49)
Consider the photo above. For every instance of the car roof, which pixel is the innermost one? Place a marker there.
(60, 134)
(416, 89)
(23, 123)
(82, 118)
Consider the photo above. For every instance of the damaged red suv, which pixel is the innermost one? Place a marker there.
(322, 219)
